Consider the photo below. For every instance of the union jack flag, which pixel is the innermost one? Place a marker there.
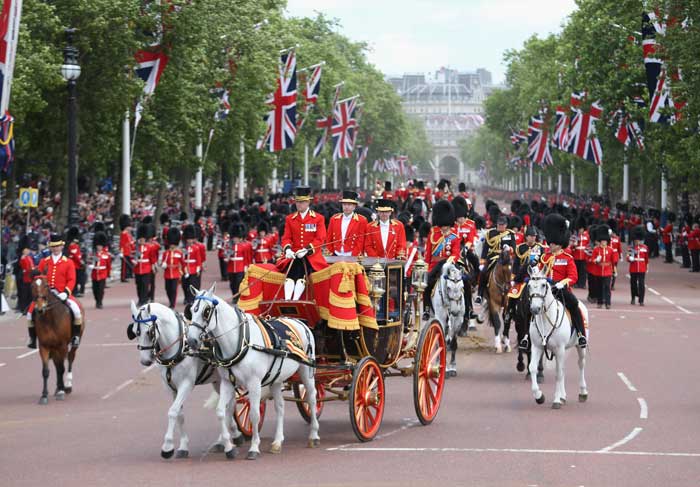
(224, 103)
(343, 129)
(583, 140)
(311, 91)
(516, 138)
(561, 129)
(9, 31)
(282, 119)
(325, 124)
(150, 66)
(361, 155)
(538, 143)
(402, 164)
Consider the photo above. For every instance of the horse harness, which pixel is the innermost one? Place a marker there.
(555, 325)
(280, 347)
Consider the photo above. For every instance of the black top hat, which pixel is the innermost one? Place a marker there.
(302, 193)
(384, 205)
(100, 238)
(55, 240)
(350, 196)
(460, 206)
(556, 230)
(443, 214)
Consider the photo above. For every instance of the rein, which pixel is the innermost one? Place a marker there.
(243, 338)
(554, 325)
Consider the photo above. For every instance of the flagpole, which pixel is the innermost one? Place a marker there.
(532, 184)
(358, 170)
(198, 176)
(625, 179)
(335, 174)
(664, 189)
(600, 179)
(559, 183)
(306, 164)
(241, 172)
(126, 166)
(323, 173)
(573, 179)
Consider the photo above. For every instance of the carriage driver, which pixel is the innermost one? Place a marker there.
(496, 240)
(60, 274)
(561, 269)
(304, 235)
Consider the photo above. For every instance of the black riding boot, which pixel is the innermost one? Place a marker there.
(32, 337)
(577, 322)
(75, 335)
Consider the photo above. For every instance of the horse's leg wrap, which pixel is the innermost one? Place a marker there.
(32, 337)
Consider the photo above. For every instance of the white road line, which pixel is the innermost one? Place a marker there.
(643, 409)
(3, 364)
(20, 347)
(684, 310)
(668, 300)
(624, 440)
(517, 450)
(654, 291)
(409, 424)
(627, 382)
(28, 354)
(149, 368)
(119, 388)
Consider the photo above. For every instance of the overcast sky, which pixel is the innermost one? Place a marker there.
(422, 35)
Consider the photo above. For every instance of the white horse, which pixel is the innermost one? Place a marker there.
(242, 355)
(161, 337)
(551, 333)
(448, 304)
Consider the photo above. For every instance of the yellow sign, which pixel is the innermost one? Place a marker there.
(28, 197)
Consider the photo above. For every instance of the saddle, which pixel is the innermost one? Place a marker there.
(516, 290)
(281, 338)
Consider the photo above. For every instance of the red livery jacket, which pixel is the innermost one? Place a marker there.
(353, 243)
(305, 232)
(173, 261)
(579, 252)
(616, 246)
(638, 258)
(395, 242)
(466, 232)
(439, 247)
(126, 243)
(61, 275)
(103, 265)
(608, 260)
(26, 263)
(241, 257)
(560, 267)
(694, 239)
(143, 261)
(192, 259)
(263, 252)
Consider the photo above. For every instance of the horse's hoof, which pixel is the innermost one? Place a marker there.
(275, 448)
(167, 454)
(60, 395)
(582, 397)
(68, 390)
(540, 400)
(556, 405)
(563, 401)
(43, 400)
(182, 454)
(239, 441)
(520, 367)
(314, 443)
(218, 448)
(453, 373)
(232, 453)
(252, 455)
(528, 375)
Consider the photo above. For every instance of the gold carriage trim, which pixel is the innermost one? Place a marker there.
(341, 301)
(251, 304)
(265, 275)
(368, 322)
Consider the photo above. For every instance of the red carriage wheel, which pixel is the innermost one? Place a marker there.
(241, 413)
(366, 399)
(429, 372)
(300, 395)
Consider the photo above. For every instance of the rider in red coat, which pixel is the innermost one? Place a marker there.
(60, 275)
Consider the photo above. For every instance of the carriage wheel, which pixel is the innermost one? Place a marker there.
(303, 407)
(366, 399)
(429, 372)
(241, 413)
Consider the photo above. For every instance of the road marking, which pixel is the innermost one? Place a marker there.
(120, 344)
(3, 364)
(684, 310)
(624, 440)
(516, 450)
(668, 300)
(409, 423)
(654, 291)
(643, 409)
(627, 382)
(119, 388)
(28, 354)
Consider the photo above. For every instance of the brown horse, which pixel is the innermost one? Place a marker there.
(498, 287)
(52, 321)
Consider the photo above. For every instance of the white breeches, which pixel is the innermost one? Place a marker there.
(71, 304)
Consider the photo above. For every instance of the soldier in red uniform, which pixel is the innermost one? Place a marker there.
(442, 245)
(172, 263)
(583, 240)
(605, 258)
(387, 194)
(346, 230)
(60, 274)
(126, 247)
(75, 256)
(264, 245)
(385, 237)
(561, 268)
(638, 257)
(164, 227)
(239, 258)
(667, 237)
(209, 226)
(616, 246)
(694, 247)
(192, 268)
(683, 232)
(222, 247)
(143, 267)
(24, 284)
(101, 268)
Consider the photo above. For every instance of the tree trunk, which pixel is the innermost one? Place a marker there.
(92, 184)
(642, 191)
(160, 204)
(232, 187)
(186, 183)
(216, 182)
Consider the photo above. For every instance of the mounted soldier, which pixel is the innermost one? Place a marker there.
(442, 244)
(496, 240)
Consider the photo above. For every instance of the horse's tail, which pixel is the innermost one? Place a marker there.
(211, 401)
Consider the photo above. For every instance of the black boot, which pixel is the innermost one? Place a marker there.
(32, 338)
(75, 336)
(580, 330)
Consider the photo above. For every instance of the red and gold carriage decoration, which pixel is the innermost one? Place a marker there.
(366, 320)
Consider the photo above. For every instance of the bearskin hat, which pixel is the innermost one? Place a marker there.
(443, 183)
(207, 213)
(148, 219)
(462, 188)
(183, 216)
(124, 221)
(151, 231)
(387, 185)
(515, 205)
(420, 184)
(602, 233)
(460, 206)
(424, 230)
(23, 243)
(188, 232)
(638, 233)
(198, 232)
(100, 238)
(98, 227)
(443, 214)
(488, 204)
(404, 217)
(142, 231)
(480, 222)
(173, 236)
(410, 233)
(671, 217)
(263, 226)
(515, 222)
(237, 230)
(535, 206)
(164, 218)
(73, 233)
(556, 230)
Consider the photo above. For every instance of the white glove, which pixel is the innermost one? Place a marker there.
(121, 256)
(481, 267)
(598, 259)
(560, 285)
(631, 259)
(506, 247)
(288, 254)
(301, 253)
(62, 296)
(91, 267)
(164, 265)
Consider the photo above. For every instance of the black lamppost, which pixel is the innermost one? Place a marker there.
(70, 70)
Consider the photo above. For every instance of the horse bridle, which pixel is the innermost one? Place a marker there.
(136, 322)
(207, 336)
(207, 313)
(558, 322)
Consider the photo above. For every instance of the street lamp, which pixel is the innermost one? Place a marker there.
(70, 70)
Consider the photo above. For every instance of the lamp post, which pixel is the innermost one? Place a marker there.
(70, 70)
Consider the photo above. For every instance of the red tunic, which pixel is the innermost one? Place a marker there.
(694, 240)
(241, 257)
(126, 243)
(192, 259)
(174, 261)
(26, 263)
(579, 252)
(142, 262)
(353, 243)
(75, 255)
(308, 232)
(639, 260)
(667, 234)
(608, 260)
(439, 247)
(466, 232)
(103, 266)
(61, 275)
(560, 266)
(395, 242)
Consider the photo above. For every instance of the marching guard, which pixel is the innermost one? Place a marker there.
(172, 263)
(605, 259)
(143, 272)
(127, 247)
(239, 258)
(101, 268)
(192, 269)
(638, 257)
(74, 254)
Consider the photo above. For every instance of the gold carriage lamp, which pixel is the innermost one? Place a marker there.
(377, 281)
(419, 277)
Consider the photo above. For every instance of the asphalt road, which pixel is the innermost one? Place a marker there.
(639, 427)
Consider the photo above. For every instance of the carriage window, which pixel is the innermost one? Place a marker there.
(393, 294)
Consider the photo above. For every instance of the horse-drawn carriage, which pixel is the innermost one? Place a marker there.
(366, 320)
